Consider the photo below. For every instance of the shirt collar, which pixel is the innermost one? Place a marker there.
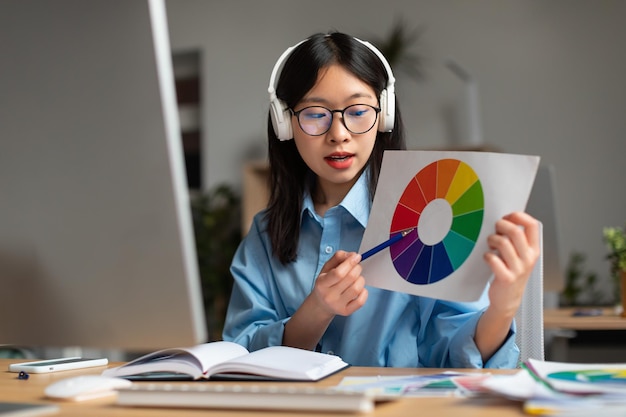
(357, 202)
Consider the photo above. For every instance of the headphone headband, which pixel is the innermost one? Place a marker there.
(281, 116)
(278, 67)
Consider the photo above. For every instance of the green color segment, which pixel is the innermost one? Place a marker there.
(471, 200)
(468, 225)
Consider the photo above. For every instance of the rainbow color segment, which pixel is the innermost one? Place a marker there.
(455, 182)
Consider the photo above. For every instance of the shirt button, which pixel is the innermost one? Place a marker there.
(328, 249)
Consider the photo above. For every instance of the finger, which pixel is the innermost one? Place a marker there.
(504, 252)
(337, 270)
(500, 244)
(344, 289)
(510, 232)
(351, 261)
(356, 303)
(497, 265)
(354, 288)
(523, 231)
(349, 274)
(339, 257)
(326, 277)
(529, 224)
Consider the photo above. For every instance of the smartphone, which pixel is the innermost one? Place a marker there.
(54, 365)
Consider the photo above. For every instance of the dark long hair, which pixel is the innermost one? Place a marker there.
(289, 175)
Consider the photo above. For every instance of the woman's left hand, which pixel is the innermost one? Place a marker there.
(515, 250)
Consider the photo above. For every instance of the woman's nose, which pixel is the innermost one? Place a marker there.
(338, 131)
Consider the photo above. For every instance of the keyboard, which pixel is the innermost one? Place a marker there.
(245, 396)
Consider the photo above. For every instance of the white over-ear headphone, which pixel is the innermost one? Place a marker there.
(281, 115)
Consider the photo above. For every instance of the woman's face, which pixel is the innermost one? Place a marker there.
(337, 156)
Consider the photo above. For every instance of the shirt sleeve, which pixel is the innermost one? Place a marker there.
(252, 319)
(451, 328)
(465, 354)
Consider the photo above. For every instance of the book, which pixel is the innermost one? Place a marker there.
(222, 360)
(250, 397)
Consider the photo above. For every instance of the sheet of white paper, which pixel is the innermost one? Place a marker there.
(519, 386)
(453, 200)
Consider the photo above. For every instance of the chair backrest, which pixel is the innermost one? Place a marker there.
(529, 317)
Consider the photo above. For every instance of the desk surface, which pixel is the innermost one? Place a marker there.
(562, 318)
(31, 390)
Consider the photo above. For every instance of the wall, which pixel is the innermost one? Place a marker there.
(550, 75)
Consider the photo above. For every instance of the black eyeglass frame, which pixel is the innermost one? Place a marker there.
(332, 115)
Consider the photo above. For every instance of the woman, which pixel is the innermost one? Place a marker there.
(297, 274)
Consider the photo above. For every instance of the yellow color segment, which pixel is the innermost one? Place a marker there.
(464, 178)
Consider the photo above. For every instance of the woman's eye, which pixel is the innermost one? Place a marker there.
(357, 112)
(315, 115)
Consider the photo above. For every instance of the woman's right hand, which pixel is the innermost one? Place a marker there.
(340, 287)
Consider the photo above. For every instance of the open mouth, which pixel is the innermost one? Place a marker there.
(338, 158)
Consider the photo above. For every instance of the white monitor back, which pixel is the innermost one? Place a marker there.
(96, 238)
(542, 205)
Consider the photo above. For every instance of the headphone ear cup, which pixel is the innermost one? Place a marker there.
(281, 119)
(387, 111)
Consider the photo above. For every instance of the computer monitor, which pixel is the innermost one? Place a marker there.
(96, 238)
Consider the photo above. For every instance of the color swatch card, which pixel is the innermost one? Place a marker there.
(450, 202)
(581, 378)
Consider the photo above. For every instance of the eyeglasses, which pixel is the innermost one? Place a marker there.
(357, 118)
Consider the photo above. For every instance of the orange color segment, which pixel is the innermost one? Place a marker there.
(446, 169)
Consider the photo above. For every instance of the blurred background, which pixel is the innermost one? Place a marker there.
(518, 76)
(521, 76)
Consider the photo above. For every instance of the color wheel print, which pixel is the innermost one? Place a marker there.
(445, 201)
(600, 376)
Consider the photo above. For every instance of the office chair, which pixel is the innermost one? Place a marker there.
(529, 317)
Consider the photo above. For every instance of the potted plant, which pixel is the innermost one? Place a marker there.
(580, 283)
(397, 47)
(217, 227)
(615, 239)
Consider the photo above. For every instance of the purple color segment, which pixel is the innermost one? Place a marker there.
(404, 261)
(422, 265)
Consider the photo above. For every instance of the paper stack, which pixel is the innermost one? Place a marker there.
(558, 388)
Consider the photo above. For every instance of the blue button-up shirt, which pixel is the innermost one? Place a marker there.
(391, 329)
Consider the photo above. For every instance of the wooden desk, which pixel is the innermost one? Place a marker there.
(562, 318)
(31, 390)
(564, 326)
